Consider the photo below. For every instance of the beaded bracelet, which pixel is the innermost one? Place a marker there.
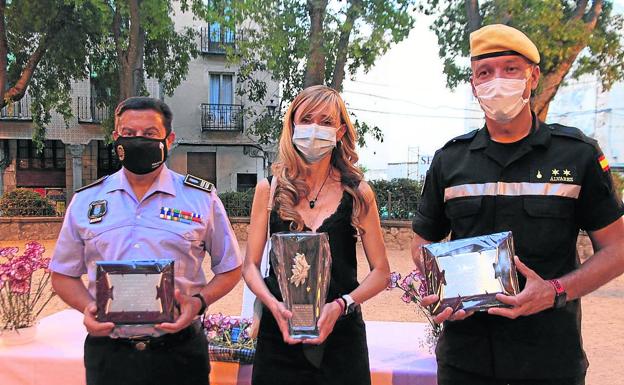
(340, 303)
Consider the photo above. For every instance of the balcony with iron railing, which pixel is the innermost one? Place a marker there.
(89, 110)
(18, 110)
(216, 40)
(222, 117)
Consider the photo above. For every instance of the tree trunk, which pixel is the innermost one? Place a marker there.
(354, 11)
(126, 82)
(551, 82)
(136, 48)
(138, 74)
(4, 49)
(131, 75)
(474, 17)
(121, 57)
(315, 67)
(18, 91)
(543, 114)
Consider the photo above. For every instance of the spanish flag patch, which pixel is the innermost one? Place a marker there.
(603, 163)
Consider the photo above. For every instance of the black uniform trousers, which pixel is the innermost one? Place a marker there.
(173, 359)
(448, 375)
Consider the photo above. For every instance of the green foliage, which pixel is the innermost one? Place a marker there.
(605, 52)
(277, 43)
(549, 23)
(396, 198)
(23, 202)
(363, 130)
(274, 45)
(82, 44)
(267, 127)
(167, 52)
(69, 33)
(237, 204)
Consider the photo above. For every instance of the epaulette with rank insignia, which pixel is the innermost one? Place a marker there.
(468, 136)
(193, 181)
(95, 183)
(575, 133)
(570, 132)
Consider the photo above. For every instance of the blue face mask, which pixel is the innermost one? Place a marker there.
(314, 141)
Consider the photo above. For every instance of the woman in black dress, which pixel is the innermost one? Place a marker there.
(318, 188)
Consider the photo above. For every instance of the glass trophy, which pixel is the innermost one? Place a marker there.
(135, 295)
(302, 263)
(468, 273)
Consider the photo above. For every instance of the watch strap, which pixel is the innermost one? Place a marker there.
(349, 304)
(557, 285)
(202, 310)
(560, 293)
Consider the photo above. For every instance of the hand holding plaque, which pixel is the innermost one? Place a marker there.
(468, 273)
(135, 292)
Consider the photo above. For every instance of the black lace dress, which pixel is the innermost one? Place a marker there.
(343, 358)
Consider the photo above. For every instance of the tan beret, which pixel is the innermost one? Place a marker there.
(499, 40)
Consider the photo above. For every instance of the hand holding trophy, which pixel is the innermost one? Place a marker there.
(302, 262)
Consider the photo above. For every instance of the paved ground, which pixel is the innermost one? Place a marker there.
(603, 316)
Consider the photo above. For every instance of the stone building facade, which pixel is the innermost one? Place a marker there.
(211, 131)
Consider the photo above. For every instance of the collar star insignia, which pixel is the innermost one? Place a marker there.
(566, 172)
(555, 172)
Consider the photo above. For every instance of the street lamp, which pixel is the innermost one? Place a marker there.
(271, 108)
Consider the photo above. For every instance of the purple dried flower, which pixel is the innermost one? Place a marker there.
(407, 282)
(20, 287)
(21, 269)
(8, 252)
(34, 248)
(394, 280)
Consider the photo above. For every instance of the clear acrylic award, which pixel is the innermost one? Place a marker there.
(302, 263)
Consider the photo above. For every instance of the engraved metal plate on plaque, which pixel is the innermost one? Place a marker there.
(302, 263)
(135, 292)
(468, 273)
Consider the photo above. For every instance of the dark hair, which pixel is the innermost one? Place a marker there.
(145, 103)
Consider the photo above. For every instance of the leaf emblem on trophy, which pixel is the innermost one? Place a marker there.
(300, 270)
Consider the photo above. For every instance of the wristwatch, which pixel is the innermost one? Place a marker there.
(202, 310)
(350, 304)
(560, 294)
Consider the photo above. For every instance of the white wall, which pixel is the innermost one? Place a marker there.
(600, 114)
(415, 170)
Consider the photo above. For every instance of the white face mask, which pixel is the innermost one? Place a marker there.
(501, 98)
(314, 141)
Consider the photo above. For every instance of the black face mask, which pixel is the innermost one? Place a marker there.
(141, 155)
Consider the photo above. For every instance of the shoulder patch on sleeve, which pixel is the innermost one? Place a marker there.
(197, 182)
(95, 183)
(468, 136)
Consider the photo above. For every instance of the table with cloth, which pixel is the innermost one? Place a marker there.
(55, 357)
